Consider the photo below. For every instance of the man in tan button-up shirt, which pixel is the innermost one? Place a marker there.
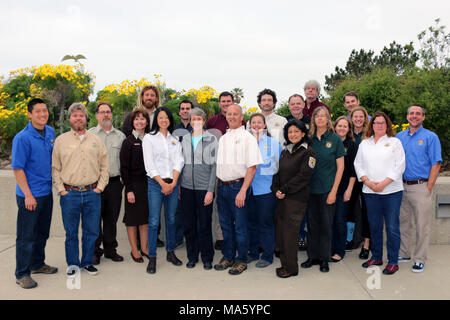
(112, 195)
(80, 171)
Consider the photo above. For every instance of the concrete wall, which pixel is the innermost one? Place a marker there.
(440, 229)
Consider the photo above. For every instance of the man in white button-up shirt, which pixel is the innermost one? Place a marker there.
(237, 157)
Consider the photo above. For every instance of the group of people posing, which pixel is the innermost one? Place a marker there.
(269, 176)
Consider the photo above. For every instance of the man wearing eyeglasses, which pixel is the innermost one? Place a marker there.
(112, 195)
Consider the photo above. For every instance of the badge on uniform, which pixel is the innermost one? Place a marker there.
(174, 143)
(328, 145)
(94, 146)
(277, 124)
(312, 162)
(307, 126)
(266, 147)
(420, 142)
(387, 144)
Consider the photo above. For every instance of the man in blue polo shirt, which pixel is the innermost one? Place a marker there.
(423, 161)
(32, 166)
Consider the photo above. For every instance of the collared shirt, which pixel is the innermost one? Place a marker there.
(79, 162)
(238, 150)
(422, 150)
(305, 119)
(219, 122)
(381, 160)
(112, 140)
(315, 104)
(162, 155)
(32, 153)
(138, 135)
(328, 149)
(270, 151)
(275, 125)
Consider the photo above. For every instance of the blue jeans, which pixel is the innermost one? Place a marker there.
(261, 229)
(33, 229)
(340, 227)
(87, 206)
(233, 221)
(155, 200)
(384, 207)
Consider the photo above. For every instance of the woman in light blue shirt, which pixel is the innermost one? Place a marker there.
(262, 202)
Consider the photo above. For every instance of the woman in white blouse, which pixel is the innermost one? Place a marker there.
(379, 164)
(163, 161)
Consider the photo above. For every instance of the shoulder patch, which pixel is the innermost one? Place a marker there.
(312, 162)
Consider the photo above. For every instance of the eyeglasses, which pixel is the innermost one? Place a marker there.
(320, 116)
(379, 123)
(104, 112)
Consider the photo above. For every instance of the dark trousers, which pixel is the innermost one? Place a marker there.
(33, 229)
(340, 226)
(288, 218)
(197, 220)
(358, 214)
(320, 226)
(111, 203)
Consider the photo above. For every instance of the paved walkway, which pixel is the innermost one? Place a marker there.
(128, 280)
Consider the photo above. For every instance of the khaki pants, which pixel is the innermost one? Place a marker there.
(416, 204)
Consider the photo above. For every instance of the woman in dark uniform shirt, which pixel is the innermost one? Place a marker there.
(132, 171)
(291, 187)
(343, 128)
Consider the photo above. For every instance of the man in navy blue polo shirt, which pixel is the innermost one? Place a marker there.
(32, 166)
(423, 162)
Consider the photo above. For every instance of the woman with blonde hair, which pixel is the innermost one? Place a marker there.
(329, 166)
(342, 126)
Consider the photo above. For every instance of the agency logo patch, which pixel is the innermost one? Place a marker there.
(312, 162)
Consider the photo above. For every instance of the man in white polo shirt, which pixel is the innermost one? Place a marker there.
(237, 157)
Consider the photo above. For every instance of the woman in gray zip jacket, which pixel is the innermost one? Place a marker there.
(198, 181)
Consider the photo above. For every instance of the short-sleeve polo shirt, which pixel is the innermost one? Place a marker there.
(422, 151)
(328, 149)
(32, 153)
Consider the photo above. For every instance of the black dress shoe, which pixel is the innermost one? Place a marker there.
(364, 254)
(171, 257)
(190, 264)
(159, 243)
(151, 267)
(283, 273)
(309, 263)
(138, 260)
(277, 253)
(218, 245)
(115, 257)
(324, 266)
(207, 266)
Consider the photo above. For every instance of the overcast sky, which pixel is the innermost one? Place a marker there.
(225, 44)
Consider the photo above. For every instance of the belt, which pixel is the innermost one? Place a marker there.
(228, 183)
(68, 187)
(116, 178)
(409, 182)
(167, 180)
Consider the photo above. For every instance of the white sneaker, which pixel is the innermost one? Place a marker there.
(418, 267)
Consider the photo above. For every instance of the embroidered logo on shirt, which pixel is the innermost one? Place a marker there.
(94, 145)
(420, 142)
(307, 126)
(387, 144)
(174, 143)
(345, 149)
(312, 162)
(328, 145)
(237, 141)
(266, 147)
(277, 124)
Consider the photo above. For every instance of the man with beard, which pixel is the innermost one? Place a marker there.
(149, 98)
(312, 91)
(112, 195)
(80, 173)
(267, 99)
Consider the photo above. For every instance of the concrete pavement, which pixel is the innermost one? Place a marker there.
(129, 280)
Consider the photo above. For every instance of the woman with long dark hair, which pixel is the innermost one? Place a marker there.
(163, 159)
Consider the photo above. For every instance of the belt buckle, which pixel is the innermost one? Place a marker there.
(81, 189)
